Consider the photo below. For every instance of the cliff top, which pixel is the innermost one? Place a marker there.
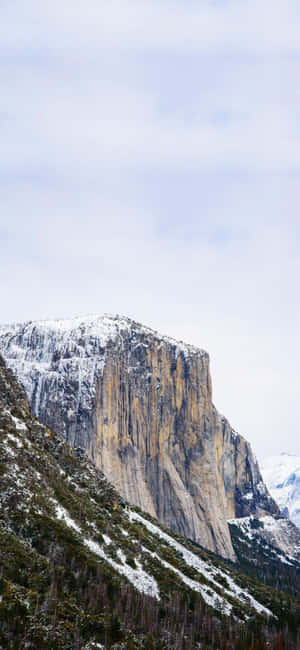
(104, 327)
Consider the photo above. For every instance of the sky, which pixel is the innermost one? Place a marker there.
(149, 166)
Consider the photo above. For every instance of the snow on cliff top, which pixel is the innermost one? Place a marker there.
(73, 350)
(104, 328)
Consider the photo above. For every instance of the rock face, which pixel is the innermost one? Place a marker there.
(141, 405)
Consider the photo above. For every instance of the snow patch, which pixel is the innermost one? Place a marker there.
(210, 572)
(214, 600)
(138, 577)
(62, 514)
(20, 426)
(17, 441)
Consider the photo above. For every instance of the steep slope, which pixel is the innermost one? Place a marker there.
(141, 405)
(81, 569)
(282, 476)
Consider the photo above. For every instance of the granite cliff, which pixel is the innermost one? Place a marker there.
(141, 405)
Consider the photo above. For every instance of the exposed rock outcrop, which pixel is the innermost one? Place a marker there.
(141, 404)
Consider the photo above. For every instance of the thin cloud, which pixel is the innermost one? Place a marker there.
(137, 24)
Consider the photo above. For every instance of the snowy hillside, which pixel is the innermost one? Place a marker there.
(282, 476)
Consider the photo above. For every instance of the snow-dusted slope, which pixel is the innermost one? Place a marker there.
(282, 476)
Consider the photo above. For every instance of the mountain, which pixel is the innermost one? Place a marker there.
(82, 569)
(141, 405)
(268, 548)
(282, 476)
(276, 532)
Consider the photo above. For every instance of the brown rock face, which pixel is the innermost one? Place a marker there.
(142, 406)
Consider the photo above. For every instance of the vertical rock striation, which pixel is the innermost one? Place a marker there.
(141, 405)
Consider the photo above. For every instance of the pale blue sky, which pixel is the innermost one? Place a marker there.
(149, 165)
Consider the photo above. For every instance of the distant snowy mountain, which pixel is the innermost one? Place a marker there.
(282, 476)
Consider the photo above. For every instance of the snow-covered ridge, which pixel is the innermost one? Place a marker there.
(73, 348)
(280, 533)
(104, 327)
(282, 476)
